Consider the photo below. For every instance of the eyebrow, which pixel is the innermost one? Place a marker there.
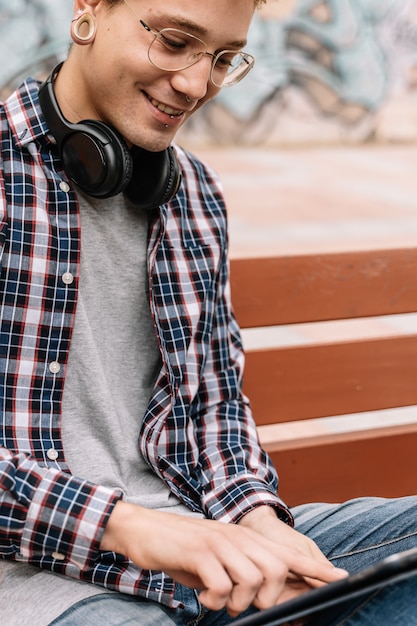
(196, 29)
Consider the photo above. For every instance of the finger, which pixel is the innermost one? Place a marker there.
(256, 575)
(308, 563)
(315, 583)
(216, 585)
(228, 578)
(234, 597)
(323, 576)
(293, 590)
(258, 580)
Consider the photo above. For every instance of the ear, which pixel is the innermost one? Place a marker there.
(85, 5)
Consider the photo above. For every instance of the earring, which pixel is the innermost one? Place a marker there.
(83, 28)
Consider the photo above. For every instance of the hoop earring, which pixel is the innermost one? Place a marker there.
(77, 24)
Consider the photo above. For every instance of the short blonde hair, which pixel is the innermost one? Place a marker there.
(258, 3)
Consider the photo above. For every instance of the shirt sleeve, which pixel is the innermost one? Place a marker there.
(48, 513)
(236, 473)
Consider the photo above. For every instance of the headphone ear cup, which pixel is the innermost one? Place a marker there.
(97, 159)
(155, 179)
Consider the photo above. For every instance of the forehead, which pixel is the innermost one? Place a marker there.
(208, 19)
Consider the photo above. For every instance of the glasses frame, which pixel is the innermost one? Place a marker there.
(246, 58)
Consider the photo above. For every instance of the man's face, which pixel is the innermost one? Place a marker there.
(113, 80)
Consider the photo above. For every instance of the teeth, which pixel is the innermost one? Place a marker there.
(165, 108)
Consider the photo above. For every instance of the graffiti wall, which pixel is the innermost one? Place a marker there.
(326, 71)
(33, 35)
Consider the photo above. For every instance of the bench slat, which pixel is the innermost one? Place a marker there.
(330, 378)
(293, 289)
(337, 468)
(312, 381)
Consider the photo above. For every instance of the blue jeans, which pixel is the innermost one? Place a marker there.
(353, 535)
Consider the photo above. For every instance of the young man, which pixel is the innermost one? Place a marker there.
(133, 487)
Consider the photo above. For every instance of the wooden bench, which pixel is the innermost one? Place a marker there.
(323, 377)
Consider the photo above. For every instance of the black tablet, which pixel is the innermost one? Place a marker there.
(391, 569)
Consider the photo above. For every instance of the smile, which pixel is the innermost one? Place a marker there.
(165, 108)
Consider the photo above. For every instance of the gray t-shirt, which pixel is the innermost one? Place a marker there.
(114, 358)
(113, 364)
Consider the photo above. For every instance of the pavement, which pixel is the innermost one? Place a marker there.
(315, 200)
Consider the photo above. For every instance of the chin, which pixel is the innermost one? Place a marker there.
(153, 145)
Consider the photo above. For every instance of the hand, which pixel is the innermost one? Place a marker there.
(233, 566)
(264, 521)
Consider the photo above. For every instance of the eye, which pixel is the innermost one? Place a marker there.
(173, 40)
(227, 60)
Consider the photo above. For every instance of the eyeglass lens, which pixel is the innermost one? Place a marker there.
(173, 49)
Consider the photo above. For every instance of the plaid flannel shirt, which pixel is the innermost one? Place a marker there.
(198, 434)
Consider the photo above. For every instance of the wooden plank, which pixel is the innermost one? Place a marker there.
(311, 381)
(293, 289)
(335, 469)
(334, 378)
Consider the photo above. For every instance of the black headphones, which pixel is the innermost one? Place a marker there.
(97, 159)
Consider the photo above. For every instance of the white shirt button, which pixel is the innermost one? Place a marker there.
(64, 186)
(58, 556)
(67, 278)
(52, 454)
(54, 367)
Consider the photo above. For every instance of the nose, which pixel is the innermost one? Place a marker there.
(194, 81)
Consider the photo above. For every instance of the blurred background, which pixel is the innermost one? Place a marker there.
(327, 71)
(316, 148)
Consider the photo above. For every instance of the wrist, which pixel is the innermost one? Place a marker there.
(116, 531)
(259, 515)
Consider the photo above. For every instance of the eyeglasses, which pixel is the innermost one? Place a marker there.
(172, 50)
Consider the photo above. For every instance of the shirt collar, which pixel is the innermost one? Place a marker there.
(24, 114)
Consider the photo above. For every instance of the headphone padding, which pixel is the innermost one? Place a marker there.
(156, 177)
(104, 167)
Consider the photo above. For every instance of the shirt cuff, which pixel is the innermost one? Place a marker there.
(66, 519)
(235, 498)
